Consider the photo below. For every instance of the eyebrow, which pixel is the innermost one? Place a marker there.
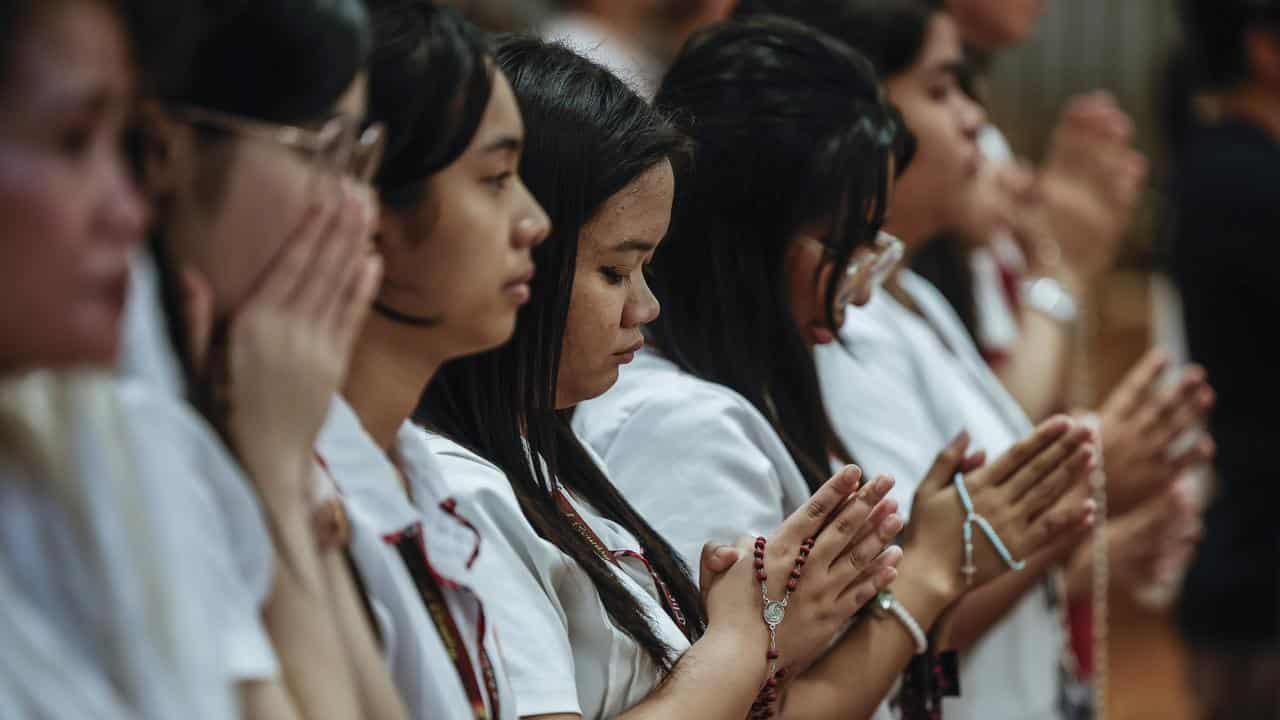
(508, 143)
(634, 245)
(955, 68)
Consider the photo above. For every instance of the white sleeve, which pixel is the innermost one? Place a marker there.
(220, 518)
(519, 586)
(690, 465)
(869, 390)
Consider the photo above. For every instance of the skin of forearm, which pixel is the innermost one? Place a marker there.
(826, 690)
(716, 679)
(979, 610)
(378, 695)
(299, 617)
(1038, 367)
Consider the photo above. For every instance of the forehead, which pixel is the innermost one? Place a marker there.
(69, 49)
(640, 211)
(355, 100)
(942, 45)
(501, 116)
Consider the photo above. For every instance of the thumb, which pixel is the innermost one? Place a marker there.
(197, 310)
(949, 461)
(716, 560)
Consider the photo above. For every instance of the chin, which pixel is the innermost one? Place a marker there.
(497, 334)
(597, 387)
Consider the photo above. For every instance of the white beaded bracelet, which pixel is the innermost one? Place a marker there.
(888, 604)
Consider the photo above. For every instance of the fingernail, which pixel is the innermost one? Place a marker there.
(893, 525)
(960, 439)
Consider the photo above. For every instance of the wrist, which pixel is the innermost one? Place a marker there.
(1052, 298)
(282, 482)
(925, 587)
(741, 646)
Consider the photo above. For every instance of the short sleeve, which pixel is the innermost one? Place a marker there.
(520, 584)
(222, 523)
(691, 464)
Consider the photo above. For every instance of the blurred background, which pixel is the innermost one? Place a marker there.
(1123, 46)
(1078, 46)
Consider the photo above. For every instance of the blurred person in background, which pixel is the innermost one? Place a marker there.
(1225, 135)
(635, 39)
(1083, 195)
(614, 34)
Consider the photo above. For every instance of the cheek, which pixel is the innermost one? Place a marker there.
(63, 289)
(465, 259)
(263, 207)
(594, 318)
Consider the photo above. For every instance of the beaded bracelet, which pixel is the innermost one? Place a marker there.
(775, 611)
(971, 517)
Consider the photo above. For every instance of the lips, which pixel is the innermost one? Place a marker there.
(523, 278)
(633, 349)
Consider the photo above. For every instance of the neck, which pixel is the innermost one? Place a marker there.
(626, 20)
(389, 370)
(913, 237)
(1256, 104)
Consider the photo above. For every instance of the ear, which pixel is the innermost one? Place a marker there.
(166, 149)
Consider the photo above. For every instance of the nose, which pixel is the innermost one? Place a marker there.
(973, 117)
(532, 224)
(642, 306)
(124, 212)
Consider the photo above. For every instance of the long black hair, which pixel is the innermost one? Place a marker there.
(791, 130)
(589, 136)
(430, 79)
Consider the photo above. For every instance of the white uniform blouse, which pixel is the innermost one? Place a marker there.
(379, 512)
(898, 390)
(695, 458)
(563, 653)
(151, 581)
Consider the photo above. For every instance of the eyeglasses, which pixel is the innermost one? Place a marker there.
(868, 269)
(339, 145)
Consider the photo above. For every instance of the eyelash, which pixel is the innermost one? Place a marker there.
(614, 276)
(501, 180)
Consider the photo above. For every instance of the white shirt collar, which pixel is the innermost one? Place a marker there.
(368, 482)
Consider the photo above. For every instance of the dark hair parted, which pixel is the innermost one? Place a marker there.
(430, 80)
(889, 33)
(791, 131)
(589, 136)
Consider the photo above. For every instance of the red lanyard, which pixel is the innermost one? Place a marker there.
(413, 552)
(583, 529)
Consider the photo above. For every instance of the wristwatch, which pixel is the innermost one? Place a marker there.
(1048, 297)
(887, 605)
